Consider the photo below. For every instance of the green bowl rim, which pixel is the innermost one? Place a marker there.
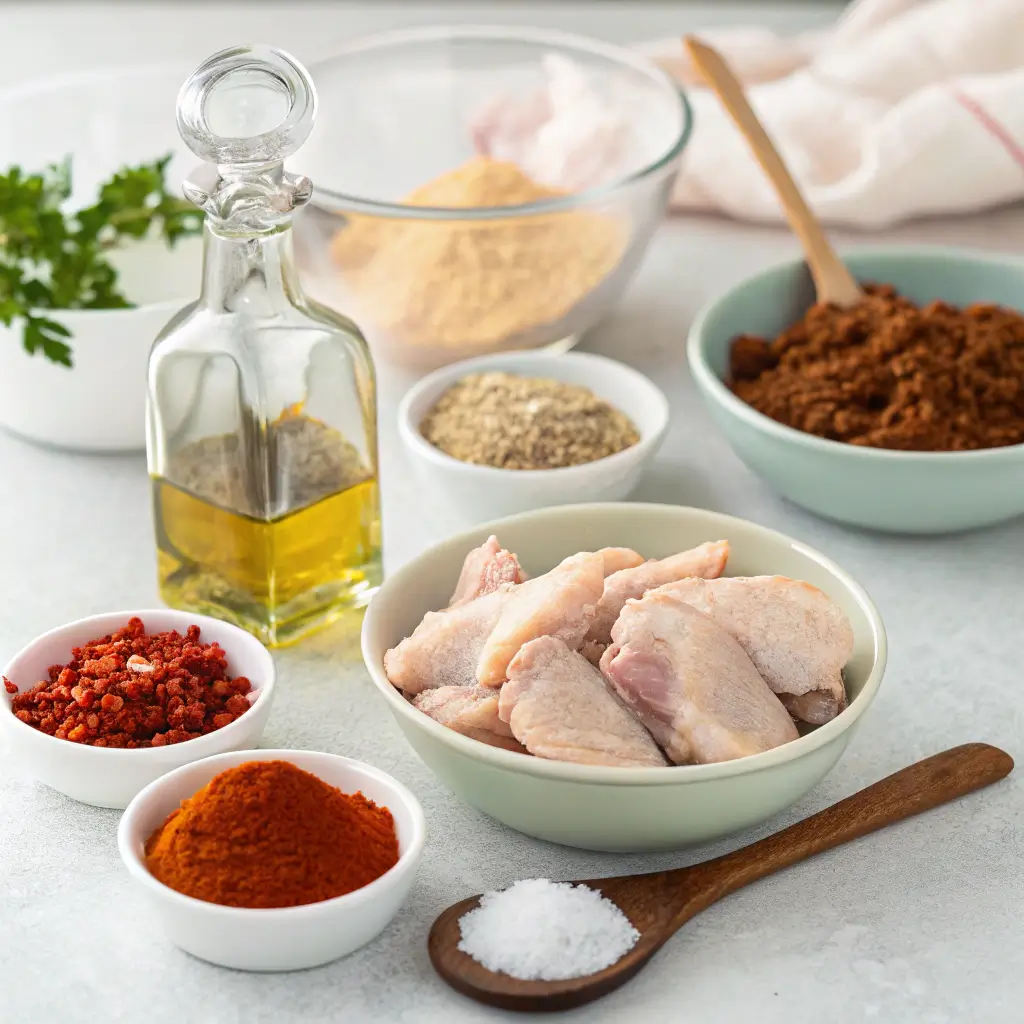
(564, 771)
(340, 202)
(713, 387)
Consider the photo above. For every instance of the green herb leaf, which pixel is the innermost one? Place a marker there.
(41, 333)
(50, 259)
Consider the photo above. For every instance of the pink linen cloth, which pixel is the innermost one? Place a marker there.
(903, 108)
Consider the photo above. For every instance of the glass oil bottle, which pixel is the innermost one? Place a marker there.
(261, 404)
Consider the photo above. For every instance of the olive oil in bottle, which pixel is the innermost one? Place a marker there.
(277, 576)
(262, 409)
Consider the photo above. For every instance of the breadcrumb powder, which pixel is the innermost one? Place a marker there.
(539, 930)
(474, 284)
(512, 422)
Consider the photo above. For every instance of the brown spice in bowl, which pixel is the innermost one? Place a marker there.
(887, 373)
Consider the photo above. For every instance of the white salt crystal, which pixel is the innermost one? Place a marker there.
(539, 930)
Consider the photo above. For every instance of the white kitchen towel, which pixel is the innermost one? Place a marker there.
(904, 108)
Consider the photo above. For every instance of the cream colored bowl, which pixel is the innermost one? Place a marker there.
(624, 809)
(473, 493)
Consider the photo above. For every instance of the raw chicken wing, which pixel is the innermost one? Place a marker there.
(707, 560)
(560, 604)
(692, 684)
(445, 647)
(471, 710)
(484, 570)
(798, 638)
(560, 707)
(619, 558)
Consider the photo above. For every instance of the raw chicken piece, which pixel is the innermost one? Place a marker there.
(707, 560)
(560, 707)
(619, 558)
(484, 570)
(445, 647)
(691, 683)
(560, 603)
(571, 133)
(471, 710)
(798, 638)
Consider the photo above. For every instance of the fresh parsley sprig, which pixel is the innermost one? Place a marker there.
(50, 259)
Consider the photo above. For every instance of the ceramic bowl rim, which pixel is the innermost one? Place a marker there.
(450, 374)
(212, 739)
(540, 37)
(714, 387)
(72, 316)
(560, 771)
(407, 860)
(19, 91)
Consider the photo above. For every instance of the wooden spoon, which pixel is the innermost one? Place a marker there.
(832, 280)
(659, 904)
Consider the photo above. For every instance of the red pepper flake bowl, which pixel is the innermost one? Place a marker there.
(109, 776)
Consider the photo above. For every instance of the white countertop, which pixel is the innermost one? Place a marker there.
(918, 925)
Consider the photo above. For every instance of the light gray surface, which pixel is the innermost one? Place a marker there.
(919, 925)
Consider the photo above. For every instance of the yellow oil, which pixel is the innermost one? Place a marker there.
(281, 578)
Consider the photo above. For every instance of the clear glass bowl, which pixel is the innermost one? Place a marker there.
(493, 262)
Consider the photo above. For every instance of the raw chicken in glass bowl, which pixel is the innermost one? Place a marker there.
(484, 189)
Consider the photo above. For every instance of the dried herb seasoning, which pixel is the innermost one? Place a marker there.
(307, 460)
(512, 422)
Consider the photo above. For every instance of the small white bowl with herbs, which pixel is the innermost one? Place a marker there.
(97, 253)
(516, 431)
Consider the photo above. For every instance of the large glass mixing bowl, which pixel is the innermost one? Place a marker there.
(467, 266)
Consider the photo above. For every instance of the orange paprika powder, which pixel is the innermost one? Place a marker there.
(268, 834)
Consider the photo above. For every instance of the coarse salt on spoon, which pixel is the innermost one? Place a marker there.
(658, 904)
(833, 282)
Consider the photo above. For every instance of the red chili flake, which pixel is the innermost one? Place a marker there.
(101, 698)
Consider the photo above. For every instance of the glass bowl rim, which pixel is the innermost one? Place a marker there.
(334, 202)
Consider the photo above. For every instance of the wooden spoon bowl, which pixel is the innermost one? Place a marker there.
(658, 904)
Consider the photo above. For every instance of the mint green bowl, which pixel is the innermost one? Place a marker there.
(622, 810)
(898, 492)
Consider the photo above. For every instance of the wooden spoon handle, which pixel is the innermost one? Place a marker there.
(922, 786)
(832, 279)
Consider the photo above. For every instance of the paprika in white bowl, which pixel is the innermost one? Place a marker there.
(296, 935)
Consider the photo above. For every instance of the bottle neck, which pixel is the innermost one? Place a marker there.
(252, 274)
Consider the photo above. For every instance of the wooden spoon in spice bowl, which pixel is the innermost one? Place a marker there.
(833, 282)
(659, 904)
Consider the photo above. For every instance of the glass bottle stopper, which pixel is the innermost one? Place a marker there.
(242, 112)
